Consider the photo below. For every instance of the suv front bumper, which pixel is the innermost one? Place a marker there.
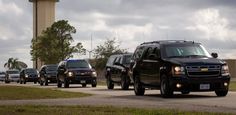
(200, 84)
(81, 80)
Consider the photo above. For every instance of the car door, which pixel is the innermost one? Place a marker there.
(150, 67)
(116, 69)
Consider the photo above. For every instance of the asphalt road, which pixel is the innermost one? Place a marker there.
(196, 101)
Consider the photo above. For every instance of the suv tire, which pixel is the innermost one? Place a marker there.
(66, 83)
(84, 85)
(110, 84)
(124, 82)
(94, 83)
(46, 82)
(221, 93)
(59, 84)
(165, 89)
(138, 88)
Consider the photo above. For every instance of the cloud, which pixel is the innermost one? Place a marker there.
(131, 22)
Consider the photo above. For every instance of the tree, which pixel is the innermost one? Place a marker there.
(54, 44)
(103, 52)
(14, 63)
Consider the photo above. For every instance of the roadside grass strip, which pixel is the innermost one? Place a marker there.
(22, 93)
(232, 86)
(92, 110)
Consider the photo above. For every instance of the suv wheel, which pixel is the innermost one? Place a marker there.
(138, 88)
(166, 90)
(110, 84)
(21, 80)
(24, 81)
(46, 82)
(185, 92)
(94, 83)
(66, 83)
(41, 80)
(221, 93)
(124, 82)
(84, 85)
(59, 84)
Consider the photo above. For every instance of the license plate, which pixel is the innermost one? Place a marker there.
(82, 81)
(204, 86)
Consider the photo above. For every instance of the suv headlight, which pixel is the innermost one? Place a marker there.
(26, 76)
(94, 74)
(225, 70)
(70, 74)
(178, 70)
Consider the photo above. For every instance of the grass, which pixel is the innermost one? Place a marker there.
(91, 110)
(19, 93)
(232, 86)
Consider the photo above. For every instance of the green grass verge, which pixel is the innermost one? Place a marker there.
(91, 110)
(232, 86)
(19, 93)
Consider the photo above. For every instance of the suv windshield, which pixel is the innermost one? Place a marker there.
(78, 64)
(51, 68)
(185, 50)
(30, 71)
(13, 72)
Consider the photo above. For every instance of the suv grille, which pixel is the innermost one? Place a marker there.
(203, 70)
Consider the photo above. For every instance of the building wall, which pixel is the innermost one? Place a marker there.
(45, 18)
(232, 67)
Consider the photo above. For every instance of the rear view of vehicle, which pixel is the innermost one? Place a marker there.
(48, 74)
(77, 71)
(28, 75)
(117, 68)
(12, 76)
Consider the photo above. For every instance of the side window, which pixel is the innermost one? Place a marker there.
(148, 52)
(116, 58)
(138, 53)
(156, 51)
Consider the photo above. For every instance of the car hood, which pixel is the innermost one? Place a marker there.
(196, 61)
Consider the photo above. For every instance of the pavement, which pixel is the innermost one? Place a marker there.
(196, 101)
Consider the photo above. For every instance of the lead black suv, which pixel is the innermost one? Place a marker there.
(178, 66)
(117, 68)
(47, 74)
(76, 71)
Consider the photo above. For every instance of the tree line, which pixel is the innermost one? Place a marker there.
(55, 44)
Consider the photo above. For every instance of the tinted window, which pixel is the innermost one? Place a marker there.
(78, 64)
(138, 53)
(110, 61)
(185, 50)
(13, 72)
(126, 59)
(148, 52)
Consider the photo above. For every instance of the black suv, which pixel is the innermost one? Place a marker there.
(117, 68)
(28, 75)
(48, 74)
(76, 71)
(178, 66)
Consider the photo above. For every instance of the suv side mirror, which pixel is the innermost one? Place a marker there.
(214, 55)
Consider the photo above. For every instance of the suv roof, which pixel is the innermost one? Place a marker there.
(170, 42)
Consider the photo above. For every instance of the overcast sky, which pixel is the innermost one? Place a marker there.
(131, 22)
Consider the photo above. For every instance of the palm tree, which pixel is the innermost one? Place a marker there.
(13, 63)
